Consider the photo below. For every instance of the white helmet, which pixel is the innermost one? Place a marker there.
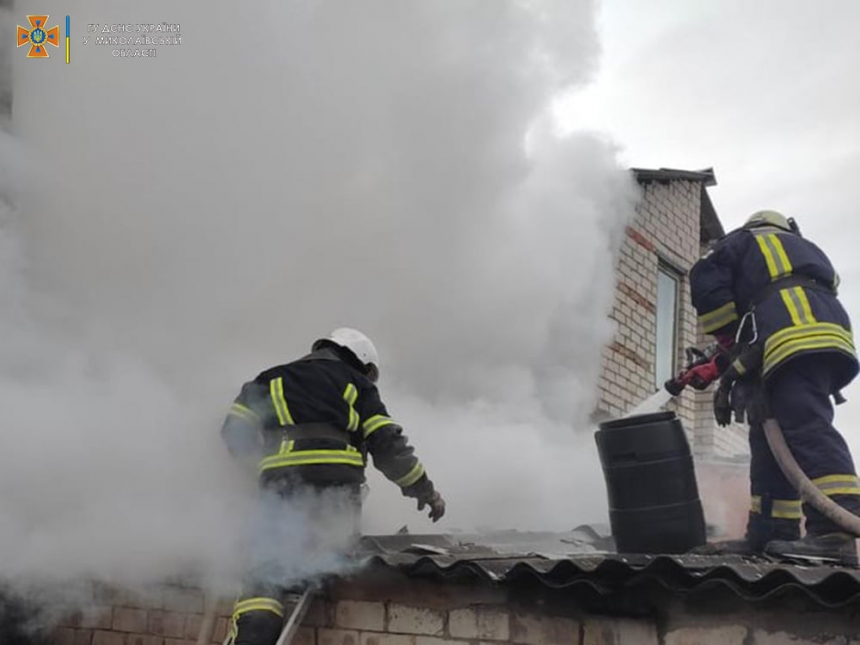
(356, 342)
(768, 218)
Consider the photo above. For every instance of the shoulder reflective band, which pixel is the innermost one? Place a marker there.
(350, 394)
(411, 477)
(720, 317)
(276, 389)
(374, 423)
(778, 264)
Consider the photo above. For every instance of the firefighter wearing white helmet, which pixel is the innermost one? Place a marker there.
(308, 426)
(357, 343)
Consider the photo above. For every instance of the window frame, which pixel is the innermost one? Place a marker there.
(669, 269)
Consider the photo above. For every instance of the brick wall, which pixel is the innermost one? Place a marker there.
(401, 611)
(167, 615)
(666, 227)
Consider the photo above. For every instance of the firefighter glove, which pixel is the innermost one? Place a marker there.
(436, 504)
(722, 403)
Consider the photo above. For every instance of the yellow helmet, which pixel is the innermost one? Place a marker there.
(769, 218)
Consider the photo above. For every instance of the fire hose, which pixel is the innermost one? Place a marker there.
(808, 491)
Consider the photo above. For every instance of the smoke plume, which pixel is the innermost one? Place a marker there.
(191, 219)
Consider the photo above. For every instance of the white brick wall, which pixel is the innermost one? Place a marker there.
(666, 228)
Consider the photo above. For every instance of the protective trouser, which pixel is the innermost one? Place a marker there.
(798, 397)
(299, 532)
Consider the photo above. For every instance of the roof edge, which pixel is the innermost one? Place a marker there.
(705, 176)
(710, 227)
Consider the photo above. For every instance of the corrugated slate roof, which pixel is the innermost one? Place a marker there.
(582, 560)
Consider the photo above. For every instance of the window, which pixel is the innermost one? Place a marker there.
(665, 351)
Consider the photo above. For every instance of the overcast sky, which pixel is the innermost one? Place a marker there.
(766, 92)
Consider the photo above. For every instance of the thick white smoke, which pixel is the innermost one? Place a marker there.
(194, 218)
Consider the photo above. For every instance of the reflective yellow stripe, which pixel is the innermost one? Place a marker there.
(834, 479)
(806, 309)
(257, 604)
(781, 256)
(755, 504)
(778, 264)
(798, 306)
(276, 389)
(411, 477)
(772, 271)
(719, 317)
(795, 347)
(786, 509)
(739, 367)
(374, 423)
(350, 394)
(804, 331)
(791, 306)
(789, 341)
(838, 485)
(792, 347)
(244, 412)
(349, 457)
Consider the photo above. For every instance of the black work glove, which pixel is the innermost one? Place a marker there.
(436, 504)
(426, 494)
(722, 403)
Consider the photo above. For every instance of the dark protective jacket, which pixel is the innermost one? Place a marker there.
(788, 284)
(316, 420)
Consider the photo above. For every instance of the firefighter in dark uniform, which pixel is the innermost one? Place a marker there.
(769, 297)
(309, 425)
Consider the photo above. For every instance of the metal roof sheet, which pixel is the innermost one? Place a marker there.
(581, 560)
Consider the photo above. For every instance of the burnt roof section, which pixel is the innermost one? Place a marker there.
(582, 562)
(710, 227)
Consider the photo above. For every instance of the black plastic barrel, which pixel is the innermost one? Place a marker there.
(654, 504)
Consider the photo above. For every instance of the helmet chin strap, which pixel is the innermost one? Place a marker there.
(373, 373)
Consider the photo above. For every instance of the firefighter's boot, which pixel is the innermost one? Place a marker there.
(760, 531)
(834, 548)
(727, 547)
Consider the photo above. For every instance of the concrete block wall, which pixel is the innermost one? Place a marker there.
(405, 611)
(166, 615)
